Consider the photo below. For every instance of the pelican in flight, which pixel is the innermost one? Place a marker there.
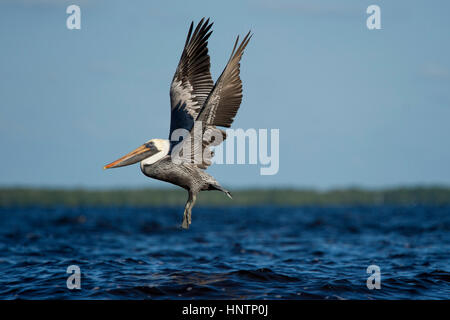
(198, 106)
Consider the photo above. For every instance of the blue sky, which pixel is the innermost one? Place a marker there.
(354, 106)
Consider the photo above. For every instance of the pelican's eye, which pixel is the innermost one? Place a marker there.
(150, 145)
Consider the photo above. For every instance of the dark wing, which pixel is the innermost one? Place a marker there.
(219, 109)
(225, 98)
(192, 81)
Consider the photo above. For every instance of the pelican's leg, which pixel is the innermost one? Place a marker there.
(186, 215)
(185, 224)
(191, 205)
(188, 210)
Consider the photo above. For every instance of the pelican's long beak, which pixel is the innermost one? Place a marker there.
(137, 155)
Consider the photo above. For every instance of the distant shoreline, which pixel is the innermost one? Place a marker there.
(241, 197)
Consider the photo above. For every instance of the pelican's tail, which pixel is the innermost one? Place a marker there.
(220, 188)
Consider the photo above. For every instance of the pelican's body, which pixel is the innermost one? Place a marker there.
(194, 99)
(185, 175)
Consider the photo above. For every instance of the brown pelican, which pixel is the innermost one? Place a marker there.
(194, 99)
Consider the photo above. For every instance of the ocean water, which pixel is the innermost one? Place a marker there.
(228, 253)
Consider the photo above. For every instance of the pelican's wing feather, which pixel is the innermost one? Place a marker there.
(192, 81)
(225, 98)
(219, 109)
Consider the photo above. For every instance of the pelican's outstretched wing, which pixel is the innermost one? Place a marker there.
(225, 98)
(192, 81)
(220, 107)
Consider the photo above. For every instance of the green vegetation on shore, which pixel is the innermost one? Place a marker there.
(241, 197)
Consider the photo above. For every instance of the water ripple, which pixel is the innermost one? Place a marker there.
(231, 253)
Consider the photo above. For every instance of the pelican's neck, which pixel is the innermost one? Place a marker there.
(163, 146)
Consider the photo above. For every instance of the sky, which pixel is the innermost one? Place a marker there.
(354, 107)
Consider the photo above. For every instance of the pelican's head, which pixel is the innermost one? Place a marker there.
(149, 152)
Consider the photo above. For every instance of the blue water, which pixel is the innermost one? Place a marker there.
(231, 253)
